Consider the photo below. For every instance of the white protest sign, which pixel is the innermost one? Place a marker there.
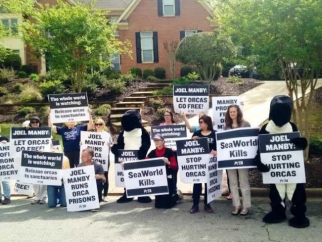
(193, 157)
(56, 146)
(237, 148)
(145, 177)
(220, 106)
(214, 180)
(98, 143)
(81, 189)
(23, 188)
(170, 133)
(68, 107)
(43, 168)
(8, 167)
(285, 160)
(191, 99)
(32, 139)
(123, 156)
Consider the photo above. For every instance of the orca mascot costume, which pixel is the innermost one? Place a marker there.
(279, 122)
(132, 137)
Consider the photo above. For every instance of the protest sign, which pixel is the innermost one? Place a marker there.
(32, 139)
(57, 146)
(98, 143)
(285, 160)
(191, 99)
(8, 167)
(170, 133)
(214, 180)
(123, 156)
(237, 148)
(80, 189)
(193, 157)
(23, 188)
(68, 107)
(220, 106)
(145, 177)
(41, 168)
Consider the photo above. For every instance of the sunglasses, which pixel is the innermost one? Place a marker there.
(34, 122)
(98, 124)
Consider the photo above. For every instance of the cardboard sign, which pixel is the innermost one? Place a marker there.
(191, 99)
(70, 107)
(41, 168)
(285, 160)
(220, 106)
(81, 189)
(22, 188)
(214, 180)
(123, 156)
(145, 178)
(98, 143)
(193, 157)
(170, 133)
(237, 148)
(8, 167)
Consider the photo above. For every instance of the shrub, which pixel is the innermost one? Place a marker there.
(218, 69)
(51, 87)
(156, 103)
(6, 74)
(160, 113)
(34, 77)
(166, 91)
(185, 70)
(43, 112)
(226, 66)
(315, 145)
(22, 74)
(147, 72)
(95, 78)
(115, 86)
(193, 76)
(112, 74)
(11, 60)
(30, 94)
(90, 88)
(181, 81)
(55, 75)
(235, 79)
(127, 79)
(17, 88)
(3, 91)
(28, 69)
(159, 72)
(136, 72)
(26, 110)
(153, 79)
(102, 110)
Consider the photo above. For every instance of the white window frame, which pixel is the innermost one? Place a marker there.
(173, 6)
(194, 32)
(142, 48)
(118, 58)
(113, 21)
(10, 26)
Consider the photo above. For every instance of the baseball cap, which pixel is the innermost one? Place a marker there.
(158, 137)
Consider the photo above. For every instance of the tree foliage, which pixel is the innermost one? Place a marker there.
(77, 37)
(205, 51)
(283, 32)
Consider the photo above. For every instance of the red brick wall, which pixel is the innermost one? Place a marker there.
(193, 16)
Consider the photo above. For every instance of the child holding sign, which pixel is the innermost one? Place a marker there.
(206, 131)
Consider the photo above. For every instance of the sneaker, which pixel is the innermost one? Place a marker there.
(35, 201)
(208, 209)
(105, 199)
(194, 209)
(6, 201)
(42, 201)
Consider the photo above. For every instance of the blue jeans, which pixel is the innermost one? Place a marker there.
(55, 194)
(6, 189)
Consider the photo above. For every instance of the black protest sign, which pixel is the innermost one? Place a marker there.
(170, 133)
(285, 160)
(8, 167)
(123, 156)
(145, 178)
(41, 168)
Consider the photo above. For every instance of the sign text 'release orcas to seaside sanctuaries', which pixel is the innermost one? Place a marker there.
(98, 143)
(145, 177)
(123, 156)
(170, 133)
(8, 167)
(193, 157)
(70, 107)
(81, 189)
(43, 168)
(220, 106)
(214, 180)
(191, 99)
(285, 160)
(237, 148)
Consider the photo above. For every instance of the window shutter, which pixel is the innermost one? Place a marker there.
(177, 7)
(199, 31)
(160, 8)
(182, 34)
(155, 47)
(138, 47)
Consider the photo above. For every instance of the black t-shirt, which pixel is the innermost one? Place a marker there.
(211, 139)
(99, 170)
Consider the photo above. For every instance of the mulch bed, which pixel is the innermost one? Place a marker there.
(221, 87)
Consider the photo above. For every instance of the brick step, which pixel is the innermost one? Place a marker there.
(141, 94)
(117, 126)
(130, 104)
(149, 89)
(158, 85)
(165, 81)
(134, 99)
(122, 110)
(115, 118)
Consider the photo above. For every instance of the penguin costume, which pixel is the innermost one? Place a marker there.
(279, 122)
(132, 137)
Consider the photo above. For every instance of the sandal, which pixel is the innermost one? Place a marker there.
(235, 211)
(244, 212)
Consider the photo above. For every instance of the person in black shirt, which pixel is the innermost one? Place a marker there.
(206, 131)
